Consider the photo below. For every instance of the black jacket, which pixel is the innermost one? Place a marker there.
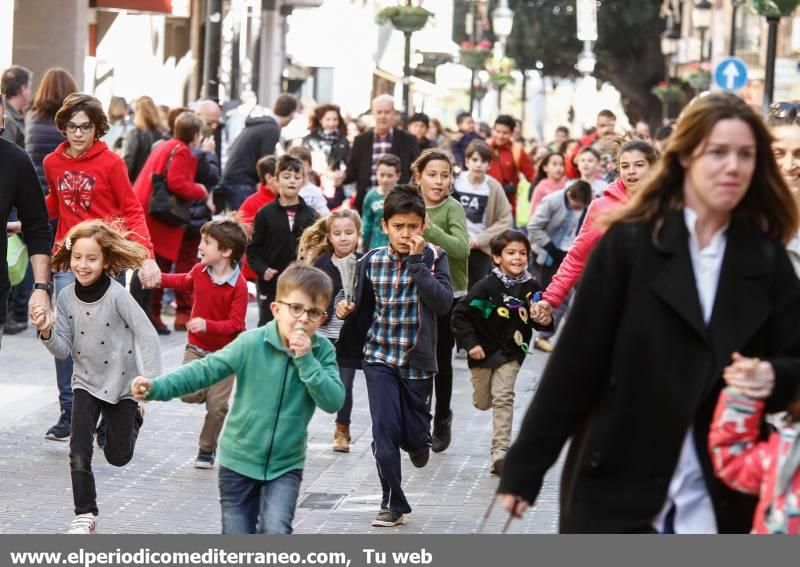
(274, 245)
(20, 189)
(497, 319)
(325, 263)
(431, 274)
(258, 139)
(340, 149)
(41, 138)
(636, 366)
(359, 168)
(207, 175)
(138, 145)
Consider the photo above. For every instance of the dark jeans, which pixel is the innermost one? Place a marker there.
(63, 367)
(251, 506)
(122, 422)
(401, 419)
(235, 195)
(479, 265)
(443, 381)
(544, 275)
(347, 376)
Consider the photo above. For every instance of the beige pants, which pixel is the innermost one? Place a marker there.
(494, 388)
(216, 399)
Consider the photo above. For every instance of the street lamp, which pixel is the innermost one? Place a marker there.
(701, 19)
(734, 9)
(502, 22)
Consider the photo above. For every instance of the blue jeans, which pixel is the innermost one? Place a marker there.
(62, 280)
(251, 506)
(236, 194)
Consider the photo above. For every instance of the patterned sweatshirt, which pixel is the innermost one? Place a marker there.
(769, 469)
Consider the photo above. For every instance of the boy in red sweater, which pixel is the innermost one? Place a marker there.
(267, 192)
(218, 316)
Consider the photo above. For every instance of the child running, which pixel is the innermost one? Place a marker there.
(388, 174)
(283, 372)
(549, 179)
(390, 331)
(769, 469)
(493, 324)
(329, 243)
(446, 227)
(218, 316)
(111, 340)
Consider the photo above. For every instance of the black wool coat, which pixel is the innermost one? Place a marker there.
(636, 366)
(359, 167)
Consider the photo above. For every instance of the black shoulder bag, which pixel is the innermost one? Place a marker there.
(165, 205)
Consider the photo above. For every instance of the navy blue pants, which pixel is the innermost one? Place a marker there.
(401, 419)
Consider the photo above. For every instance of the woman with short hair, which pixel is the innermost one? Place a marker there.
(691, 271)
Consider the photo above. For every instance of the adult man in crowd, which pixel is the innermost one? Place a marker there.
(602, 140)
(20, 189)
(258, 139)
(510, 158)
(211, 114)
(16, 87)
(376, 142)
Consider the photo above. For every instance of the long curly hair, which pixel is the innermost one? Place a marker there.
(316, 241)
(119, 253)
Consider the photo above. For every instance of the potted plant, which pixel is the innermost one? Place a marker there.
(474, 55)
(670, 91)
(405, 18)
(500, 71)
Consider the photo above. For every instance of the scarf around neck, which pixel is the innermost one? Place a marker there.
(511, 281)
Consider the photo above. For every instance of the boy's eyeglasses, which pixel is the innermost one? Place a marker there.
(296, 310)
(788, 111)
(72, 128)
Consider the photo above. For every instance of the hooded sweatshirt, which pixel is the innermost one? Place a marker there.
(571, 268)
(258, 139)
(92, 186)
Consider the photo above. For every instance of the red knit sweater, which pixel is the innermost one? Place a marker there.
(247, 215)
(92, 186)
(223, 306)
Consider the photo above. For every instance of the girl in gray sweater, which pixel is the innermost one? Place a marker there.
(111, 341)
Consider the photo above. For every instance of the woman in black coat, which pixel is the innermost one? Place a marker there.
(690, 272)
(328, 134)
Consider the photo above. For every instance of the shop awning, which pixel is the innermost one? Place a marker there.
(157, 6)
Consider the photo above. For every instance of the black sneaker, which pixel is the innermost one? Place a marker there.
(420, 458)
(14, 327)
(497, 466)
(204, 459)
(100, 435)
(61, 430)
(387, 518)
(441, 433)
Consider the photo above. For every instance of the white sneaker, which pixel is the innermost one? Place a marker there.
(83, 524)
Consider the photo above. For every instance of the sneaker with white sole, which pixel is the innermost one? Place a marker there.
(387, 518)
(83, 524)
(204, 459)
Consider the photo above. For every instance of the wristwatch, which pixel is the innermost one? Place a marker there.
(48, 287)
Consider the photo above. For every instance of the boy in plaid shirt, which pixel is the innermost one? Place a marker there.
(390, 332)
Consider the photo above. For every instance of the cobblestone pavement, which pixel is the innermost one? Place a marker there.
(161, 492)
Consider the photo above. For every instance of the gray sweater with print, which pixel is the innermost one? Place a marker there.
(111, 342)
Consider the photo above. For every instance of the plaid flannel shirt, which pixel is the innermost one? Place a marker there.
(380, 147)
(396, 320)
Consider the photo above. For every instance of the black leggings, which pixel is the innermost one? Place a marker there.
(443, 381)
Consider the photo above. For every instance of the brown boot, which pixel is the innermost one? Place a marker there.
(341, 438)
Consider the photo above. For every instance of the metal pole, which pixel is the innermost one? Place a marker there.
(524, 94)
(407, 75)
(732, 46)
(212, 48)
(702, 45)
(769, 78)
(474, 39)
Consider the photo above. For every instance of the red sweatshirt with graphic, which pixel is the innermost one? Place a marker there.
(92, 186)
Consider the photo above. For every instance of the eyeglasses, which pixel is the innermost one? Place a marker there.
(787, 112)
(72, 128)
(296, 310)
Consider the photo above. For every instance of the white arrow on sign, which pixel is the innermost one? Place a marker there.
(731, 73)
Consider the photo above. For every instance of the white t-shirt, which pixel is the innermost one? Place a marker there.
(474, 199)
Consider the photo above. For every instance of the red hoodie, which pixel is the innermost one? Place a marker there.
(92, 186)
(570, 270)
(247, 215)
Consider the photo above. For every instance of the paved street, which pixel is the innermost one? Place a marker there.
(161, 492)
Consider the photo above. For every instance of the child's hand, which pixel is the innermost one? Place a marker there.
(299, 342)
(269, 274)
(196, 325)
(344, 309)
(751, 377)
(417, 245)
(541, 312)
(476, 353)
(140, 388)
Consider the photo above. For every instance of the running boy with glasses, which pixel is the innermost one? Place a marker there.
(283, 372)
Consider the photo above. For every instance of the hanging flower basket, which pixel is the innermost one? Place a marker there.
(407, 19)
(500, 80)
(474, 56)
(669, 92)
(699, 80)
